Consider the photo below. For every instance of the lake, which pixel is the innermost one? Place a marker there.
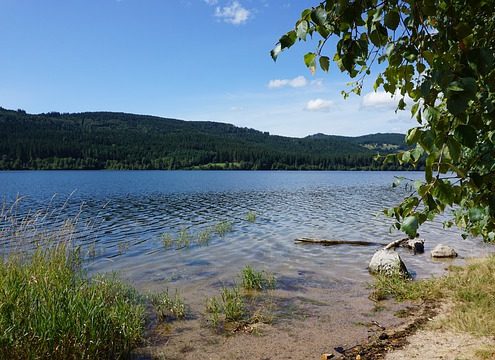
(321, 298)
(125, 214)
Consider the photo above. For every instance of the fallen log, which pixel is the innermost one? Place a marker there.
(337, 242)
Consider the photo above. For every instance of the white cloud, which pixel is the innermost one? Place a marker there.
(211, 2)
(297, 82)
(382, 100)
(319, 105)
(234, 13)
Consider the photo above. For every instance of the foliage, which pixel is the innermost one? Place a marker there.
(49, 309)
(437, 55)
(104, 140)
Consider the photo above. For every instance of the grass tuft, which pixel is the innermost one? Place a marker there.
(204, 237)
(251, 216)
(256, 280)
(231, 309)
(223, 227)
(50, 309)
(168, 307)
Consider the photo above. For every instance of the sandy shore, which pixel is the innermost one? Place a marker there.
(307, 323)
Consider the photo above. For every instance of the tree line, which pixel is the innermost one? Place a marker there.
(104, 140)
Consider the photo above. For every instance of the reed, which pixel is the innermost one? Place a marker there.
(49, 307)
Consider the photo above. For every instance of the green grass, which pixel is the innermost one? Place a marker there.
(256, 280)
(183, 239)
(50, 309)
(251, 216)
(167, 240)
(223, 227)
(168, 307)
(470, 289)
(233, 304)
(204, 237)
(401, 288)
(236, 307)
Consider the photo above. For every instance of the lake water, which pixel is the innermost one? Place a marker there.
(124, 214)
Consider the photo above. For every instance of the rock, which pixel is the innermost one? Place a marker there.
(418, 245)
(327, 356)
(387, 262)
(443, 251)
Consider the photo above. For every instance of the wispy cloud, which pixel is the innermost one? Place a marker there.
(297, 82)
(234, 13)
(319, 105)
(211, 2)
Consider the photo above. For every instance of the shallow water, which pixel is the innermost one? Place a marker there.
(124, 214)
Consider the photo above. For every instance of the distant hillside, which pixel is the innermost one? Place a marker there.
(105, 140)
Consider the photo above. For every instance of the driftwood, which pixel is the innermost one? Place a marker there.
(396, 243)
(413, 244)
(337, 242)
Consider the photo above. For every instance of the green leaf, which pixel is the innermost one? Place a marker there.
(429, 167)
(276, 51)
(475, 214)
(302, 29)
(410, 226)
(457, 104)
(324, 63)
(413, 136)
(309, 59)
(288, 39)
(319, 16)
(466, 135)
(392, 19)
(420, 67)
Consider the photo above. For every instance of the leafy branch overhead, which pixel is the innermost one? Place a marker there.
(438, 57)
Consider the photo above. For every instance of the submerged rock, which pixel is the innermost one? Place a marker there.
(387, 262)
(417, 245)
(443, 251)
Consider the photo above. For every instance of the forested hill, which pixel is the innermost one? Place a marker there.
(105, 140)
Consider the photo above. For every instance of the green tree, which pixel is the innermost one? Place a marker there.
(439, 56)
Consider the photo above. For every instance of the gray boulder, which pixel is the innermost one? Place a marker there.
(443, 251)
(387, 262)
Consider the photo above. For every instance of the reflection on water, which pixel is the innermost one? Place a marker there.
(124, 215)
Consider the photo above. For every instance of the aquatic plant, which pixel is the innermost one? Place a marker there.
(223, 227)
(233, 304)
(123, 246)
(167, 240)
(251, 216)
(204, 237)
(183, 239)
(166, 306)
(214, 309)
(256, 280)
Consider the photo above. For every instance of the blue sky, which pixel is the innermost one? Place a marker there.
(185, 59)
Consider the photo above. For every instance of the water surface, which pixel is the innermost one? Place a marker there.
(123, 215)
